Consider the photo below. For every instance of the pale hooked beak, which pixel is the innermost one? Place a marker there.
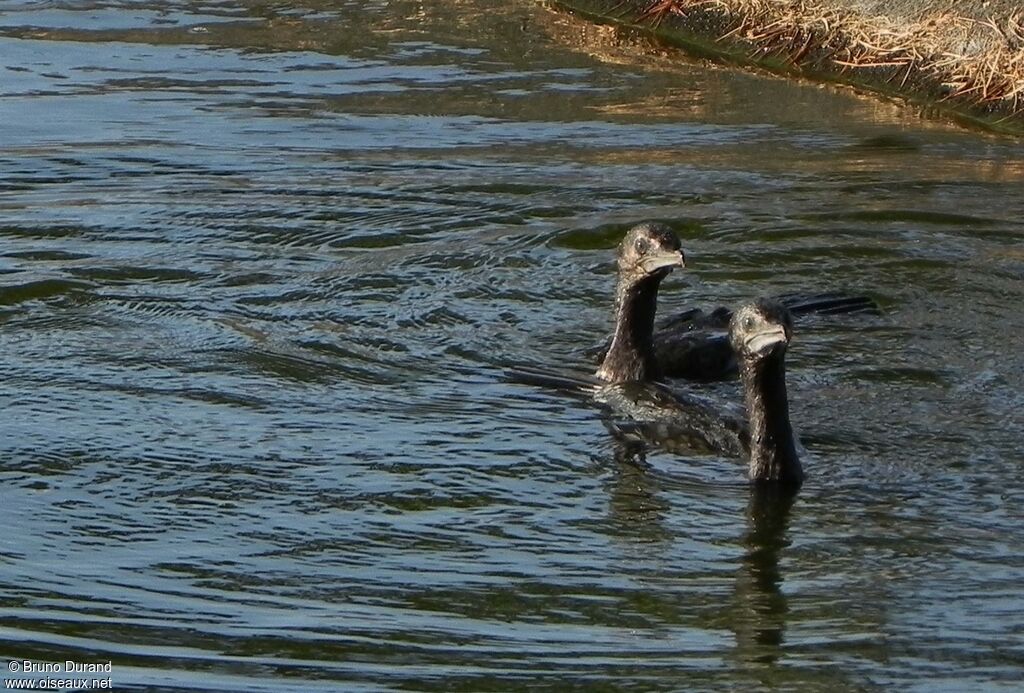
(766, 339)
(669, 259)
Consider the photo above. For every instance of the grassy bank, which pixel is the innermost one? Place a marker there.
(962, 57)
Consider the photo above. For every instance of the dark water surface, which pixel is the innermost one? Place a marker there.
(262, 264)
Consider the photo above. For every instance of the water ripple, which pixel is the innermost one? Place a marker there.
(262, 269)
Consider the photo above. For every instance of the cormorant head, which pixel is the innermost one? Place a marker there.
(649, 250)
(758, 330)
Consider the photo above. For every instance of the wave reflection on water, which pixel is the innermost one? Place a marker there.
(262, 268)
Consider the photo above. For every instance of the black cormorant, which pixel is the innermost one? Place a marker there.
(693, 344)
(646, 256)
(759, 333)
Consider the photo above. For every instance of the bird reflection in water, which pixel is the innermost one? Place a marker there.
(761, 606)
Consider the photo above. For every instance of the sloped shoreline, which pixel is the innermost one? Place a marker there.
(965, 59)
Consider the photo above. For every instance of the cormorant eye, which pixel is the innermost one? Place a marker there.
(641, 245)
(748, 323)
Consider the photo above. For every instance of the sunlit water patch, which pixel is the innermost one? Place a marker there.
(262, 269)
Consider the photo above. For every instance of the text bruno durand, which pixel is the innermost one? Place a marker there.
(35, 675)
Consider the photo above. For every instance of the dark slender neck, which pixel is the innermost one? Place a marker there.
(631, 355)
(773, 455)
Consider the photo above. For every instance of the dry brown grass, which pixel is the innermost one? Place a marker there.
(979, 62)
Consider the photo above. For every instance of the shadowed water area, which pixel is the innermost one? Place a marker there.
(262, 265)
